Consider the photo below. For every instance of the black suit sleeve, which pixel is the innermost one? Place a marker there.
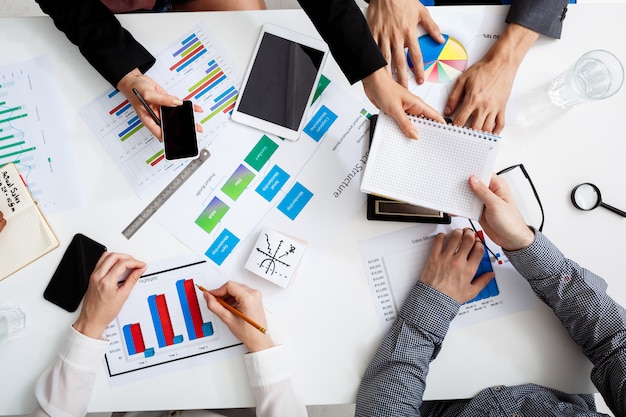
(344, 28)
(108, 47)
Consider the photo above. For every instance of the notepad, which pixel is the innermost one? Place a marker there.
(432, 171)
(27, 235)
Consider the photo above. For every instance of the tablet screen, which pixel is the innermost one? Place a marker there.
(280, 81)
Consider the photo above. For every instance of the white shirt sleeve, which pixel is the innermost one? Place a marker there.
(64, 389)
(269, 375)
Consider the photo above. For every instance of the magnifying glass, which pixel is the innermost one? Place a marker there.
(587, 196)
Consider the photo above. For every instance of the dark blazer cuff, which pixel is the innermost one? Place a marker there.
(541, 16)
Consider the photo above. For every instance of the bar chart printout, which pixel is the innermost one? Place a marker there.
(193, 68)
(34, 135)
(164, 321)
(394, 262)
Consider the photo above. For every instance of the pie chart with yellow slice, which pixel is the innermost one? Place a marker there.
(443, 62)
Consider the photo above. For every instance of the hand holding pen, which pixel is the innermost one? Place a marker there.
(246, 318)
(153, 96)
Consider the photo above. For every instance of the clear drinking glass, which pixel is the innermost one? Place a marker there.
(596, 75)
(12, 322)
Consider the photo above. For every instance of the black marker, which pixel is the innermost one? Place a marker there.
(154, 116)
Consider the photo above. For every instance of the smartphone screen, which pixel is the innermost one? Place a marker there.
(179, 131)
(71, 278)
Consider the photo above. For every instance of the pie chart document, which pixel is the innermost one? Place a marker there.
(467, 38)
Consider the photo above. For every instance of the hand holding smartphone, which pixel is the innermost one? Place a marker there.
(179, 131)
(71, 278)
(178, 128)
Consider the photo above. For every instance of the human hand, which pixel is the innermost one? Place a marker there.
(393, 24)
(3, 221)
(452, 264)
(396, 101)
(483, 89)
(501, 219)
(155, 96)
(248, 301)
(105, 296)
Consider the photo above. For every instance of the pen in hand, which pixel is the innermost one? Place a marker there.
(147, 107)
(237, 312)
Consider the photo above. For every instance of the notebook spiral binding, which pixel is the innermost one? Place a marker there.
(465, 130)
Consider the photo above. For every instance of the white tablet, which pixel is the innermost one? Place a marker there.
(280, 82)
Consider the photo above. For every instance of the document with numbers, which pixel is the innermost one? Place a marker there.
(394, 262)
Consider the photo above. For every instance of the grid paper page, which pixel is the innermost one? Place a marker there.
(432, 171)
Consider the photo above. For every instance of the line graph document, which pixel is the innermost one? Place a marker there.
(34, 134)
(394, 262)
(195, 68)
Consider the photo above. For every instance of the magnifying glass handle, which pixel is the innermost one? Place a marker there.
(614, 210)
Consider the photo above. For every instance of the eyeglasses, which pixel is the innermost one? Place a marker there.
(517, 193)
(532, 186)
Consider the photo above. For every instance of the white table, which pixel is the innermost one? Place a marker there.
(331, 348)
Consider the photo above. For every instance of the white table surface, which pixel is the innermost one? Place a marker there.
(331, 346)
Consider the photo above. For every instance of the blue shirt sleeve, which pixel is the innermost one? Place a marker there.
(395, 380)
(593, 319)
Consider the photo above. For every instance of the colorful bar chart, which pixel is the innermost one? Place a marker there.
(135, 344)
(193, 68)
(162, 321)
(196, 327)
(165, 319)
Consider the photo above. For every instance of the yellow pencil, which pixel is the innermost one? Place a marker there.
(236, 312)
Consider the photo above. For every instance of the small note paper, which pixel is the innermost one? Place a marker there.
(275, 257)
(27, 235)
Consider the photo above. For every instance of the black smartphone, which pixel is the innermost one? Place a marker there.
(179, 131)
(71, 278)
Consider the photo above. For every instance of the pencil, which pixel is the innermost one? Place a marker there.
(145, 104)
(237, 312)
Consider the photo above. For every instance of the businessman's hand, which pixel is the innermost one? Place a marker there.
(393, 24)
(501, 219)
(396, 101)
(155, 96)
(3, 221)
(452, 264)
(483, 90)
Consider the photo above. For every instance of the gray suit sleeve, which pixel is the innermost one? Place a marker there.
(542, 16)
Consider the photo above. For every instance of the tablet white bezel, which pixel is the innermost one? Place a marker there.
(265, 125)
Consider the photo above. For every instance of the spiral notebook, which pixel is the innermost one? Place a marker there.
(432, 171)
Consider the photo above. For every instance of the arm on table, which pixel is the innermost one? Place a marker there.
(269, 372)
(483, 90)
(112, 51)
(344, 28)
(65, 388)
(395, 380)
(593, 319)
(394, 26)
(577, 296)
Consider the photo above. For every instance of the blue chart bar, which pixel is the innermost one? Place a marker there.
(491, 290)
(162, 321)
(196, 328)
